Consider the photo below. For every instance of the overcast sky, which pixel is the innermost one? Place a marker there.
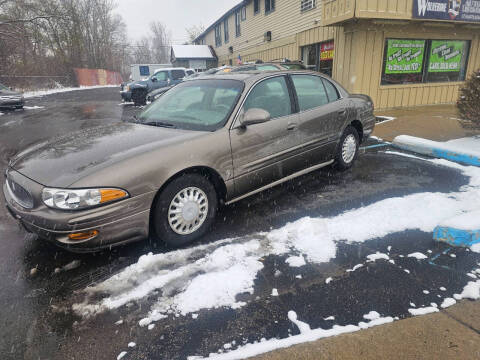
(176, 15)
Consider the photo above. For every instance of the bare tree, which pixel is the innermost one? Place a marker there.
(194, 31)
(160, 43)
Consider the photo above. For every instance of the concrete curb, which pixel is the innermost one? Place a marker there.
(456, 237)
(461, 230)
(444, 150)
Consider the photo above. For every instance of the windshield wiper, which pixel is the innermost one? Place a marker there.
(160, 124)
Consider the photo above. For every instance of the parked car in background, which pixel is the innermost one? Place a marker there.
(190, 72)
(144, 71)
(137, 91)
(223, 69)
(205, 142)
(10, 99)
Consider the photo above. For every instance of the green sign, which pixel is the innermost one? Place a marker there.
(404, 56)
(446, 56)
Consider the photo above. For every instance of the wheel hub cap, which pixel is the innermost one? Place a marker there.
(349, 148)
(188, 210)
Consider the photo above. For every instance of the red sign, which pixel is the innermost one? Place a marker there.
(327, 51)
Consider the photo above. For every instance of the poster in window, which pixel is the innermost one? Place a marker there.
(327, 51)
(446, 56)
(404, 56)
(452, 10)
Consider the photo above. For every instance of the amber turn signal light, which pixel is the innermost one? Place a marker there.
(108, 195)
(83, 235)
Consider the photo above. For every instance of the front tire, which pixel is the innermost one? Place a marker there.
(139, 97)
(185, 210)
(347, 149)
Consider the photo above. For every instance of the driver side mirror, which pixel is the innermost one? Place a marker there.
(254, 116)
(154, 79)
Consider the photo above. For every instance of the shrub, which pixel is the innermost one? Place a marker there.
(469, 102)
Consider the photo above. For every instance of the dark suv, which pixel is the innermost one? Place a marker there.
(137, 91)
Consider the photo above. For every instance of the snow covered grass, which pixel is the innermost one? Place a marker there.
(38, 93)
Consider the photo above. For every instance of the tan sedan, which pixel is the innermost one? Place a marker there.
(206, 142)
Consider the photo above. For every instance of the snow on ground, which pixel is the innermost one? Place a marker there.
(38, 93)
(296, 261)
(1, 113)
(212, 275)
(33, 107)
(468, 221)
(377, 256)
(417, 255)
(476, 248)
(448, 302)
(422, 311)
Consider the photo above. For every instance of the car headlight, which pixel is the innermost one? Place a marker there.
(66, 199)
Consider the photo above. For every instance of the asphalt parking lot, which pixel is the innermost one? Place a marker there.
(37, 292)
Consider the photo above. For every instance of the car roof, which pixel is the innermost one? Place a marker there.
(253, 75)
(167, 69)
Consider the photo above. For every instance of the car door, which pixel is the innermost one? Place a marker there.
(318, 118)
(161, 79)
(261, 152)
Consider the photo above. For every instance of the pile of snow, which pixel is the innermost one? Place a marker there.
(423, 311)
(469, 221)
(377, 256)
(417, 255)
(33, 107)
(470, 146)
(296, 261)
(38, 93)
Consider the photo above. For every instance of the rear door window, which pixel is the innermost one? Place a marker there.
(331, 91)
(310, 91)
(178, 74)
(271, 95)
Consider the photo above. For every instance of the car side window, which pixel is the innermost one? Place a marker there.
(310, 91)
(271, 95)
(161, 76)
(178, 74)
(332, 91)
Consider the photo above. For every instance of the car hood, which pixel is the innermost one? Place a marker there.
(63, 161)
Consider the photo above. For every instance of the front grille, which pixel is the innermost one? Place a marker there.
(19, 194)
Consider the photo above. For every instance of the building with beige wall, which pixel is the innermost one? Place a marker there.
(400, 52)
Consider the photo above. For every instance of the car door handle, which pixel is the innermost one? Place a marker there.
(291, 126)
(342, 112)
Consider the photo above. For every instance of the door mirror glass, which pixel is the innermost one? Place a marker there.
(154, 79)
(254, 116)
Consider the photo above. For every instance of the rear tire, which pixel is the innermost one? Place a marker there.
(185, 210)
(139, 97)
(347, 149)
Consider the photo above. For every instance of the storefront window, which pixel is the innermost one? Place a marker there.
(447, 61)
(410, 61)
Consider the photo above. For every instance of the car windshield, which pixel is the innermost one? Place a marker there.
(203, 105)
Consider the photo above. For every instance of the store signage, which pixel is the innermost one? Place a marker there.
(446, 56)
(404, 56)
(327, 51)
(453, 10)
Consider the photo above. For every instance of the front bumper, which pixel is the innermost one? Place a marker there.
(118, 223)
(126, 95)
